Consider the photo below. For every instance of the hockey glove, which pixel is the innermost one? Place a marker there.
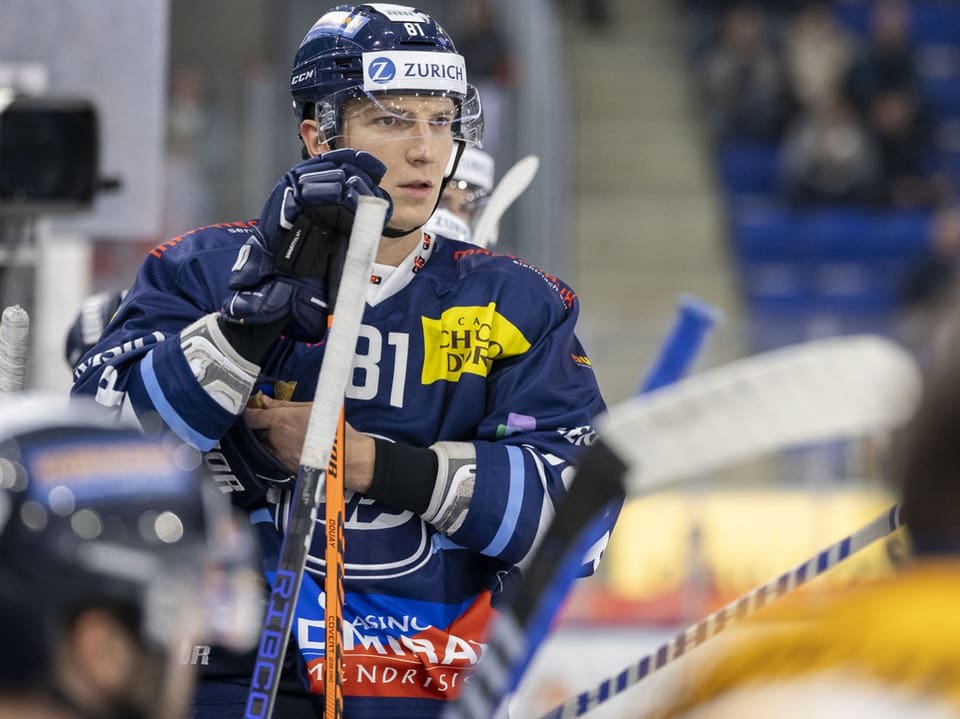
(290, 266)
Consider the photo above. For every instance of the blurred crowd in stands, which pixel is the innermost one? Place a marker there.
(842, 118)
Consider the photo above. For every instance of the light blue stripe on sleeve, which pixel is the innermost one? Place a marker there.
(167, 413)
(514, 499)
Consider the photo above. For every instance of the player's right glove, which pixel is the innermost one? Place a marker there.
(290, 266)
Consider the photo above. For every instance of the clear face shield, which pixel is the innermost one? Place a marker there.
(399, 115)
(419, 136)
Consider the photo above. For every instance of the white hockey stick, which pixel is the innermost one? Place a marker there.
(840, 387)
(314, 458)
(510, 187)
(737, 610)
(14, 346)
(834, 388)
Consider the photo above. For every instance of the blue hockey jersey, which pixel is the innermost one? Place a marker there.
(458, 345)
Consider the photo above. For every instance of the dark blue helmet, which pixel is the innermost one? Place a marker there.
(97, 515)
(365, 50)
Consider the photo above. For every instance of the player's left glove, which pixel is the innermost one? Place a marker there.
(290, 266)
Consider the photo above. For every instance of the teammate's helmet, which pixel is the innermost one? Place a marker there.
(367, 50)
(475, 172)
(92, 514)
(464, 197)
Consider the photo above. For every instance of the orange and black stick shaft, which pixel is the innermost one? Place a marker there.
(333, 580)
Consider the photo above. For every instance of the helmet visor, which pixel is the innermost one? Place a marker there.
(396, 115)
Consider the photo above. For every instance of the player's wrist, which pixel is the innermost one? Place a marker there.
(403, 476)
(251, 341)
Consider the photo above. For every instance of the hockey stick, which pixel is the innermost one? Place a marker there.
(810, 392)
(510, 187)
(693, 321)
(315, 456)
(732, 613)
(695, 318)
(815, 391)
(14, 346)
(333, 578)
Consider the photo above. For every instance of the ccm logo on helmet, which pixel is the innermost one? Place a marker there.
(301, 77)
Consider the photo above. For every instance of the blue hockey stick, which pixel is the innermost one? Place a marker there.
(695, 318)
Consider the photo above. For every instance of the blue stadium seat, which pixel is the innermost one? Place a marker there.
(749, 168)
(835, 233)
(931, 21)
(764, 232)
(951, 163)
(854, 15)
(943, 94)
(855, 287)
(782, 285)
(900, 236)
(935, 22)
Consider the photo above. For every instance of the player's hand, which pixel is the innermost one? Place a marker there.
(290, 266)
(282, 425)
(334, 179)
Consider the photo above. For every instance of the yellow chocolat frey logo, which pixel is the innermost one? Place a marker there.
(467, 339)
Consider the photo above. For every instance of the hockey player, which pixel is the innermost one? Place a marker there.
(107, 550)
(95, 314)
(470, 395)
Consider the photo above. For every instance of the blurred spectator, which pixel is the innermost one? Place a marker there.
(887, 61)
(902, 134)
(828, 158)
(701, 19)
(492, 66)
(928, 293)
(818, 55)
(743, 80)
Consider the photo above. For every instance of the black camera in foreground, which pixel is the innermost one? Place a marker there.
(49, 154)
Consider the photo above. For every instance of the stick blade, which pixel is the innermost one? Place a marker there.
(835, 388)
(513, 184)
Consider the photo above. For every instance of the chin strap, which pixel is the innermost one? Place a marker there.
(392, 233)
